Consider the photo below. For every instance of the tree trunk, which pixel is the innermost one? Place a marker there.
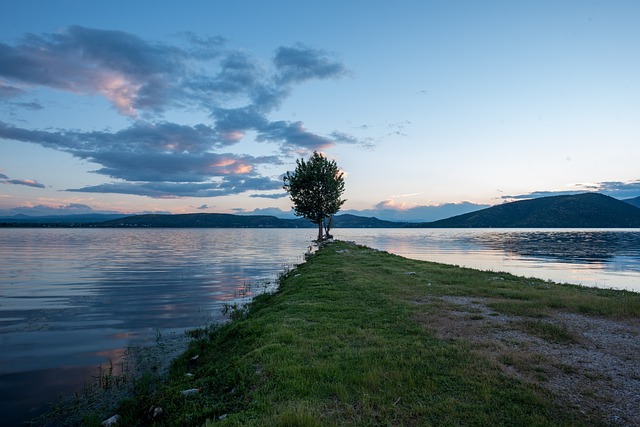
(320, 231)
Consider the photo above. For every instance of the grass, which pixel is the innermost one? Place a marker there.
(548, 331)
(339, 344)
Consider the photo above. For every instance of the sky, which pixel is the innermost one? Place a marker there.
(430, 108)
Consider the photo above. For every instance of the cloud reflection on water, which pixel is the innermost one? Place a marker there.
(79, 297)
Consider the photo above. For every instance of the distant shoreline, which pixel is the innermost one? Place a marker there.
(588, 210)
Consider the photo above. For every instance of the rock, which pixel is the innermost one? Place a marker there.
(115, 420)
(191, 364)
(155, 412)
(191, 391)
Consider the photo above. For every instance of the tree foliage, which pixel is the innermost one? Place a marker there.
(315, 188)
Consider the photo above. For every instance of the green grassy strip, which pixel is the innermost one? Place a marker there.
(339, 344)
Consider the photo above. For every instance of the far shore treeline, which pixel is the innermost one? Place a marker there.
(587, 210)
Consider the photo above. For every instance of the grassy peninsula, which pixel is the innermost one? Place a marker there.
(355, 336)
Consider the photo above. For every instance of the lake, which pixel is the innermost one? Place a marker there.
(604, 258)
(74, 299)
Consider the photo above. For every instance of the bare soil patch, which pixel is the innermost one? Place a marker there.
(588, 363)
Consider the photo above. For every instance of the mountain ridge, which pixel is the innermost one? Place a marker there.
(220, 220)
(634, 201)
(586, 210)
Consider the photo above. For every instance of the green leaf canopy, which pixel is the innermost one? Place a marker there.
(315, 188)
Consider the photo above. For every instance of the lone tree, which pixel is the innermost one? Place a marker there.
(315, 188)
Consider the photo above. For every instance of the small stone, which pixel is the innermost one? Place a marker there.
(155, 412)
(112, 421)
(193, 362)
(191, 391)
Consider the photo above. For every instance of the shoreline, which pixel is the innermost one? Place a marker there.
(283, 358)
(117, 382)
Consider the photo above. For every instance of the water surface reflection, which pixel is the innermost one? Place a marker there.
(75, 298)
(71, 299)
(603, 258)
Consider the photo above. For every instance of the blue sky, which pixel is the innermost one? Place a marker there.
(431, 108)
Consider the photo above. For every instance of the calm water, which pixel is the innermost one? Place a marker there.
(599, 258)
(71, 299)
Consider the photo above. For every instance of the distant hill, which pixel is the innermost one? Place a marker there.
(635, 201)
(355, 221)
(201, 220)
(59, 219)
(217, 220)
(587, 210)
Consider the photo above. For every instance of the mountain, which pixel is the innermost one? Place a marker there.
(216, 220)
(418, 213)
(196, 220)
(355, 221)
(635, 201)
(587, 210)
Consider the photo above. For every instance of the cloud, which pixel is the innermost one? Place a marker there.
(46, 210)
(344, 138)
(620, 189)
(617, 189)
(293, 136)
(393, 211)
(269, 196)
(204, 47)
(398, 129)
(163, 156)
(538, 194)
(130, 72)
(33, 105)
(10, 91)
(142, 79)
(4, 179)
(299, 63)
(171, 190)
(273, 211)
(136, 75)
(27, 182)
